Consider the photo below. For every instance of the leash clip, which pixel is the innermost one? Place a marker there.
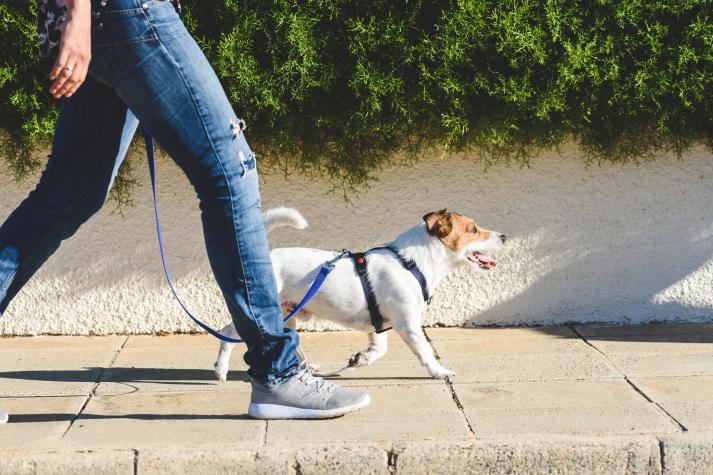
(333, 261)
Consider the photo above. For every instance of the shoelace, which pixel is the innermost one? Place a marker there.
(320, 384)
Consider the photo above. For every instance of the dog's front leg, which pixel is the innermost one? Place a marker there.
(416, 340)
(378, 344)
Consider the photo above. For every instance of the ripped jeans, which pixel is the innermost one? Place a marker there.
(146, 67)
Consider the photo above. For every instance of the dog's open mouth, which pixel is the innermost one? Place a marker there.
(483, 261)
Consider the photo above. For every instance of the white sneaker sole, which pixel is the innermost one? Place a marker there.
(4, 417)
(275, 411)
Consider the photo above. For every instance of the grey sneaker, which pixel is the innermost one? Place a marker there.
(4, 417)
(304, 396)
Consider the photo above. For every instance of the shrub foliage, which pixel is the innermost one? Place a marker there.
(339, 86)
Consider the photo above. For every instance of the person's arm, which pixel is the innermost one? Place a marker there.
(75, 50)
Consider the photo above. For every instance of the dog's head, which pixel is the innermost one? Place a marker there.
(467, 242)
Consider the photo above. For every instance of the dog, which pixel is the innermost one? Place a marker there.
(439, 244)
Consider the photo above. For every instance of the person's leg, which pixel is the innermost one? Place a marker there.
(162, 75)
(93, 131)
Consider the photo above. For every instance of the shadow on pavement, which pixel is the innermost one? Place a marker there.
(58, 417)
(652, 332)
(126, 375)
(646, 332)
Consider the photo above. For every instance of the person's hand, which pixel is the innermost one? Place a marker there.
(75, 50)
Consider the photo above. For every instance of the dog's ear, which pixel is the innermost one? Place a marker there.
(438, 223)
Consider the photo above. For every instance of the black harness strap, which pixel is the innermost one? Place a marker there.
(413, 268)
(377, 320)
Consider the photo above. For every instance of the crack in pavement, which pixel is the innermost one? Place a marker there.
(636, 388)
(94, 388)
(449, 385)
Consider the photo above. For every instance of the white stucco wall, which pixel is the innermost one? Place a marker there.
(610, 243)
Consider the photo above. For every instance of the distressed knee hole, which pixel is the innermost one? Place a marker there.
(238, 125)
(248, 163)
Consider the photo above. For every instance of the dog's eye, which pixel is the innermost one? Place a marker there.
(474, 230)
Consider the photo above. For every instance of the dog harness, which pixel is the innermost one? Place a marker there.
(359, 258)
(377, 320)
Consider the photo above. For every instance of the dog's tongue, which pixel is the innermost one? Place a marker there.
(486, 260)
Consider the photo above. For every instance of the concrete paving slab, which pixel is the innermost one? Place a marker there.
(364, 459)
(215, 461)
(663, 364)
(383, 373)
(650, 332)
(37, 421)
(306, 460)
(686, 454)
(655, 350)
(688, 399)
(508, 341)
(628, 346)
(559, 408)
(54, 365)
(179, 419)
(532, 368)
(332, 351)
(109, 462)
(340, 346)
(185, 363)
(181, 342)
(682, 339)
(562, 456)
(64, 343)
(483, 355)
(488, 334)
(160, 407)
(408, 412)
(169, 364)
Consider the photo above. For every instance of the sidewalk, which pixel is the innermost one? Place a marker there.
(580, 399)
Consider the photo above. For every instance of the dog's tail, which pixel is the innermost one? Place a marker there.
(279, 217)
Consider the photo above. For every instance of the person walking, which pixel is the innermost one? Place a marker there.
(121, 62)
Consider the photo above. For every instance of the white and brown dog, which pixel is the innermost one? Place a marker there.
(442, 242)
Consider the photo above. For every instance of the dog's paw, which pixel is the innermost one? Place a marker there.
(221, 373)
(362, 358)
(442, 373)
(313, 367)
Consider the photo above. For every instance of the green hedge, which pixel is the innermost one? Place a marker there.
(338, 86)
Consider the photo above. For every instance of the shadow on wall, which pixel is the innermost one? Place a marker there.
(624, 271)
(613, 243)
(609, 243)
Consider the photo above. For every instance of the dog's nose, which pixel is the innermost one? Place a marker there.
(503, 238)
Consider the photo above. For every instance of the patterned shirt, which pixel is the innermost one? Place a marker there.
(51, 16)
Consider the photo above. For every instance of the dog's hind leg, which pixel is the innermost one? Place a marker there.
(222, 364)
(378, 344)
(413, 335)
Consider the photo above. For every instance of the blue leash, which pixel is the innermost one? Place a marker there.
(318, 281)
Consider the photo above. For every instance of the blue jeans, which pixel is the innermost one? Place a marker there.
(146, 67)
